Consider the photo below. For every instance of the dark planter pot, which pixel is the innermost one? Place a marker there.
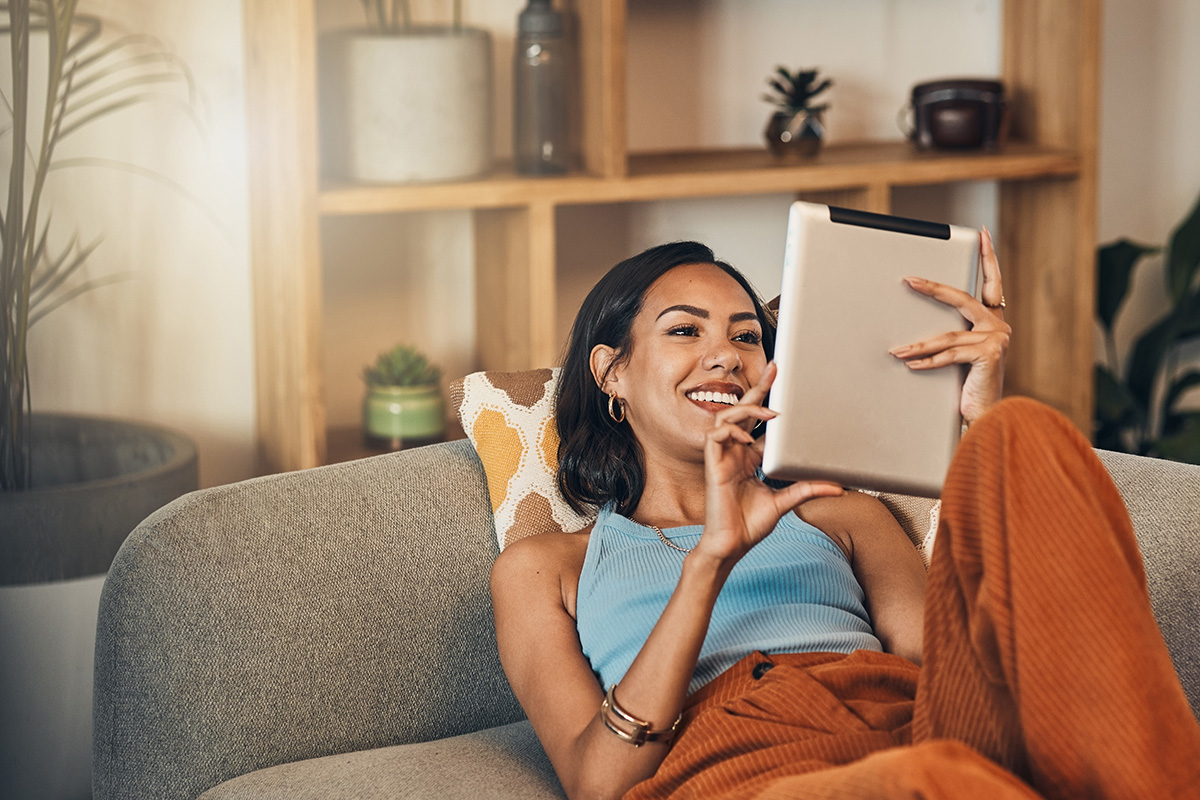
(94, 480)
(794, 135)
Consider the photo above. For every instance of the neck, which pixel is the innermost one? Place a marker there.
(673, 495)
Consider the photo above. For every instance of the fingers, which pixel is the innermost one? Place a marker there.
(954, 355)
(747, 413)
(730, 432)
(758, 392)
(802, 491)
(973, 310)
(742, 412)
(976, 311)
(992, 292)
(989, 340)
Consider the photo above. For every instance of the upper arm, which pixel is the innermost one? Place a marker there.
(539, 646)
(887, 566)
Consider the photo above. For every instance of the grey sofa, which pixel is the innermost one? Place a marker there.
(328, 634)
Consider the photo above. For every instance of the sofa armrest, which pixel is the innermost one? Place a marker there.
(296, 616)
(1163, 499)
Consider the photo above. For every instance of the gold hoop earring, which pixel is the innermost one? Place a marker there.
(614, 402)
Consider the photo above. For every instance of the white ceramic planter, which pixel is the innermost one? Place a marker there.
(408, 107)
(95, 479)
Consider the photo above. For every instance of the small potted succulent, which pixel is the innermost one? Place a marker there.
(403, 406)
(795, 129)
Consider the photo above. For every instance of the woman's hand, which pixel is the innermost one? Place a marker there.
(983, 347)
(740, 510)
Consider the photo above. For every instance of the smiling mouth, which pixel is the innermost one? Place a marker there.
(721, 398)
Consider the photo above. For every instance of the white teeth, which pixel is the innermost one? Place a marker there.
(714, 397)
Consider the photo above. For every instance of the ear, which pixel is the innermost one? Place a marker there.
(601, 361)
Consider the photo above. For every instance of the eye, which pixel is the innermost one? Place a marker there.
(749, 337)
(683, 330)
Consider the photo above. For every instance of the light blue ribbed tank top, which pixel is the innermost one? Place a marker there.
(794, 592)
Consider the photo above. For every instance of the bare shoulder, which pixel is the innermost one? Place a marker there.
(543, 567)
(846, 517)
(535, 555)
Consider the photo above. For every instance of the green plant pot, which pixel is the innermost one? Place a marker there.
(395, 417)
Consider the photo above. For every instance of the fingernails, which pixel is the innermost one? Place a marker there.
(901, 350)
(914, 281)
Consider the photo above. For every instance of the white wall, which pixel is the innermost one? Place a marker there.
(172, 344)
(1149, 160)
(697, 71)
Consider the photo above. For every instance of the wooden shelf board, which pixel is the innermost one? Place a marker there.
(662, 176)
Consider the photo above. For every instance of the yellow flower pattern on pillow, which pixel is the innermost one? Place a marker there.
(509, 417)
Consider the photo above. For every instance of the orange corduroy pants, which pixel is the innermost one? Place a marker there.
(1044, 672)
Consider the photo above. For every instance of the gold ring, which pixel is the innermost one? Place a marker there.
(1001, 304)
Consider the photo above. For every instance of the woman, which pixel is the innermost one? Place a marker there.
(763, 642)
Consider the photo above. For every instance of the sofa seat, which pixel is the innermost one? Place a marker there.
(328, 633)
(504, 763)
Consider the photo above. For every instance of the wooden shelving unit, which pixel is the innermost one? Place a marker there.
(1046, 173)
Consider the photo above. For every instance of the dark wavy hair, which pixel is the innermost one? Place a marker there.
(600, 461)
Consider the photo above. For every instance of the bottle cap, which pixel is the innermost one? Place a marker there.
(539, 18)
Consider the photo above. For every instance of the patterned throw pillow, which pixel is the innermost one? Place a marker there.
(509, 417)
(918, 516)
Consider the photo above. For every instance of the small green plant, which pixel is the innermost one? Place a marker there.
(1137, 408)
(794, 92)
(403, 365)
(395, 16)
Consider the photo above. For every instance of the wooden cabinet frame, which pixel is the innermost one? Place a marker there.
(1046, 174)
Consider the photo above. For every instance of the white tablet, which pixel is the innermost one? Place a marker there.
(849, 411)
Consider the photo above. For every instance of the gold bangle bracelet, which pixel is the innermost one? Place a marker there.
(629, 728)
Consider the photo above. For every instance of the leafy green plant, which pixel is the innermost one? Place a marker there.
(403, 365)
(794, 92)
(85, 80)
(1138, 407)
(395, 16)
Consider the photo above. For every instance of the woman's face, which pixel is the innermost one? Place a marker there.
(697, 347)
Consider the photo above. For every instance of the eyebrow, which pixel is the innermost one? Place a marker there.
(741, 316)
(693, 310)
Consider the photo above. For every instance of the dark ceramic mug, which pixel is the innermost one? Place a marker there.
(958, 113)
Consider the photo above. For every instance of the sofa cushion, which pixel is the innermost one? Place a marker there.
(1163, 500)
(509, 417)
(296, 616)
(497, 763)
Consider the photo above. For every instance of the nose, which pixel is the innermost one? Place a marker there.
(721, 354)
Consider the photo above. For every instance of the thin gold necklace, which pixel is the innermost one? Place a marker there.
(667, 541)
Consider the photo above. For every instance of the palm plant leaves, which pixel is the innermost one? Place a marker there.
(85, 81)
(794, 92)
(1184, 258)
(1142, 407)
(387, 17)
(1114, 264)
(1183, 445)
(1176, 390)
